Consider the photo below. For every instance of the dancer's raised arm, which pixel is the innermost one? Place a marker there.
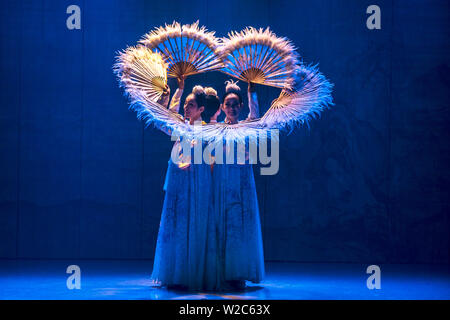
(252, 102)
(176, 99)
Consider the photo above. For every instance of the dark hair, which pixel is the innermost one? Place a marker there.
(199, 96)
(212, 105)
(207, 98)
(232, 88)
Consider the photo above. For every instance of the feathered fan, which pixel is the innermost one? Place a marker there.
(187, 49)
(138, 68)
(253, 55)
(309, 95)
(259, 56)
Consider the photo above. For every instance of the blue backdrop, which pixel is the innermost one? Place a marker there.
(81, 178)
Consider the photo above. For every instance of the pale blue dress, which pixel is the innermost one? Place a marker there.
(238, 223)
(210, 230)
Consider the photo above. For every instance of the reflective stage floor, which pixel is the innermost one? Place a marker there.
(112, 279)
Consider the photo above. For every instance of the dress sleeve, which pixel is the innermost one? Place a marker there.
(174, 107)
(175, 101)
(253, 106)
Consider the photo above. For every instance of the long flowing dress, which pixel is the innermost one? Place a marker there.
(186, 249)
(240, 245)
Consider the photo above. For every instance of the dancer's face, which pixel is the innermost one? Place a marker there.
(191, 110)
(232, 107)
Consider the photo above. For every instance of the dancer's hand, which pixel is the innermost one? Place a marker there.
(164, 99)
(166, 90)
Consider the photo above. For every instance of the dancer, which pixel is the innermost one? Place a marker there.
(186, 245)
(236, 205)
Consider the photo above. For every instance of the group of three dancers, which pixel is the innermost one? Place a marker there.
(209, 235)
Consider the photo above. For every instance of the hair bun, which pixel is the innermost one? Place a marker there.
(231, 86)
(198, 90)
(210, 91)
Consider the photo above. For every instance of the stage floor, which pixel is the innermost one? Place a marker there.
(112, 279)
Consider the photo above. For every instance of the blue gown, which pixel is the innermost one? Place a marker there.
(186, 249)
(210, 229)
(239, 235)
